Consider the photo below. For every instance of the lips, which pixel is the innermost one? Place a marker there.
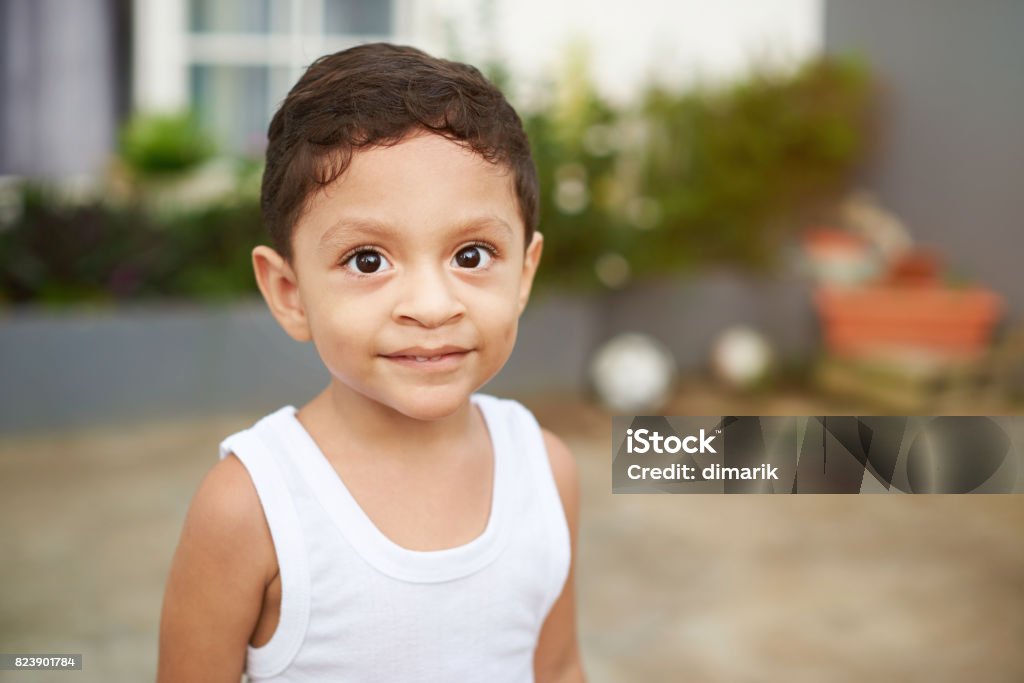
(424, 355)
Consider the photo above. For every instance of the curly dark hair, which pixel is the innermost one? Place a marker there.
(377, 94)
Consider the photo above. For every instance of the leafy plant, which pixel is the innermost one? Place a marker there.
(574, 172)
(98, 253)
(696, 178)
(156, 144)
(733, 171)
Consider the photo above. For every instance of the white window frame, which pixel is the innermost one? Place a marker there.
(165, 49)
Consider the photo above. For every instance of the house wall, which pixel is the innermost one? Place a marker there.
(628, 44)
(950, 161)
(68, 70)
(57, 87)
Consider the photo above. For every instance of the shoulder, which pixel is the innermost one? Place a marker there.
(218, 576)
(563, 465)
(226, 519)
(563, 468)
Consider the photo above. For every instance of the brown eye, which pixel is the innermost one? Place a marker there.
(473, 256)
(367, 261)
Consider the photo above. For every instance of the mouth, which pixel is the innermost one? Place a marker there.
(439, 357)
(425, 359)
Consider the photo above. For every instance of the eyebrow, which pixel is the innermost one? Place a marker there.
(352, 228)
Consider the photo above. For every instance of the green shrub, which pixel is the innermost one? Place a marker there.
(56, 254)
(696, 178)
(733, 171)
(156, 144)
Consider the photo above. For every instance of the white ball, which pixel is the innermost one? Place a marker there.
(741, 356)
(633, 373)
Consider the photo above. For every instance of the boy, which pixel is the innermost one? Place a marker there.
(398, 527)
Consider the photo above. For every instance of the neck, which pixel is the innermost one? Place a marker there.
(349, 420)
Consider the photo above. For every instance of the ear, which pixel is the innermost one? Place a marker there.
(530, 263)
(280, 288)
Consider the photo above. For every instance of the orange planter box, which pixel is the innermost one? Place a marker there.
(864, 320)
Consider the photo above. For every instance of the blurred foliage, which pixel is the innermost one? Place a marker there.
(575, 171)
(100, 253)
(156, 144)
(681, 181)
(695, 178)
(729, 169)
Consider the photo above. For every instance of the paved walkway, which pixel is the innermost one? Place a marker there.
(670, 588)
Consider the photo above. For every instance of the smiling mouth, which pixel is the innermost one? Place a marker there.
(429, 359)
(428, 356)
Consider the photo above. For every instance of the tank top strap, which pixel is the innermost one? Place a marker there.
(528, 446)
(254, 448)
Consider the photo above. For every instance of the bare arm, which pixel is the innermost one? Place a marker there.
(557, 659)
(214, 595)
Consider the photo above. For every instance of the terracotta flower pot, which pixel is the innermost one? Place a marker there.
(936, 320)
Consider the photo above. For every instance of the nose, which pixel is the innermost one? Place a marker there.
(428, 298)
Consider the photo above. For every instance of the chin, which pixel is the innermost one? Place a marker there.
(432, 404)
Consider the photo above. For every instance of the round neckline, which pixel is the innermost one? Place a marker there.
(374, 545)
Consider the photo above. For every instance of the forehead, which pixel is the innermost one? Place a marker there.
(424, 185)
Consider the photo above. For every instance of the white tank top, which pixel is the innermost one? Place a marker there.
(355, 606)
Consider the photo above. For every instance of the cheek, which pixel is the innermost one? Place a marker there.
(342, 329)
(500, 318)
(511, 329)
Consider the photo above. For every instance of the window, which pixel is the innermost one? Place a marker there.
(242, 56)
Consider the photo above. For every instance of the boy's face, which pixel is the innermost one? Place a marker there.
(409, 275)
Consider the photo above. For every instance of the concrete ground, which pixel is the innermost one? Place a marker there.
(670, 588)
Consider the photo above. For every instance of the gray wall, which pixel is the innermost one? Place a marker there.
(951, 158)
(68, 369)
(688, 314)
(58, 95)
(60, 370)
